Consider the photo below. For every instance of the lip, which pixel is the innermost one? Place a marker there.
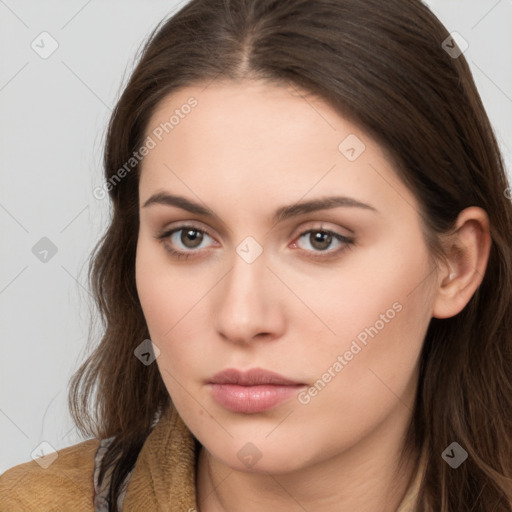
(252, 391)
(252, 377)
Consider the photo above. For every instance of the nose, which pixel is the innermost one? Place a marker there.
(248, 303)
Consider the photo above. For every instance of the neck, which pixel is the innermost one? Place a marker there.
(366, 478)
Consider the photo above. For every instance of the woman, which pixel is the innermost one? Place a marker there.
(306, 283)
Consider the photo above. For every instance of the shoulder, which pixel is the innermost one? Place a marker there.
(66, 482)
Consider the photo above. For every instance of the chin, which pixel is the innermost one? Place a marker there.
(260, 456)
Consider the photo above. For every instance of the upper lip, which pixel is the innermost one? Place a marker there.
(252, 377)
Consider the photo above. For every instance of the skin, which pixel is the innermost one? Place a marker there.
(245, 150)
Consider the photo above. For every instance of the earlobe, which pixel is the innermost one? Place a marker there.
(467, 254)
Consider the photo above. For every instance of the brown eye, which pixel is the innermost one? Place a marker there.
(185, 240)
(191, 238)
(322, 243)
(320, 240)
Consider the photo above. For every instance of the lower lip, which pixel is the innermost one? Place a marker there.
(252, 399)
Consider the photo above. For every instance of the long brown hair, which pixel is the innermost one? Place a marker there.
(382, 65)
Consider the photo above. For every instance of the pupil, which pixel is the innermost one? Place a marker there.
(321, 240)
(193, 236)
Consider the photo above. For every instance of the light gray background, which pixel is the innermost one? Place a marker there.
(54, 113)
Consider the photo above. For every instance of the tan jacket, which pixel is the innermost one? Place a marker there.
(163, 478)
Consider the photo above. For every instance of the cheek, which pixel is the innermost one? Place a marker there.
(146, 281)
(173, 307)
(160, 302)
(160, 286)
(155, 292)
(372, 320)
(368, 283)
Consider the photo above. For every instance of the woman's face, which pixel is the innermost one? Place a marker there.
(334, 298)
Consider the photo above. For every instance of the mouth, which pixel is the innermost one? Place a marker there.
(252, 391)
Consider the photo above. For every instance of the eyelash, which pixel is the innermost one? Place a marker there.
(324, 255)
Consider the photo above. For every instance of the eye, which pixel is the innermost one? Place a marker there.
(184, 240)
(323, 241)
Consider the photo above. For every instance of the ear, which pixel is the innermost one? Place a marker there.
(467, 252)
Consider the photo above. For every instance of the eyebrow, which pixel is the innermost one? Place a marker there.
(281, 214)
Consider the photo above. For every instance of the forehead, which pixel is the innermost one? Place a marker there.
(254, 138)
(252, 111)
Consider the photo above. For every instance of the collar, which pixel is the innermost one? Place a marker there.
(164, 476)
